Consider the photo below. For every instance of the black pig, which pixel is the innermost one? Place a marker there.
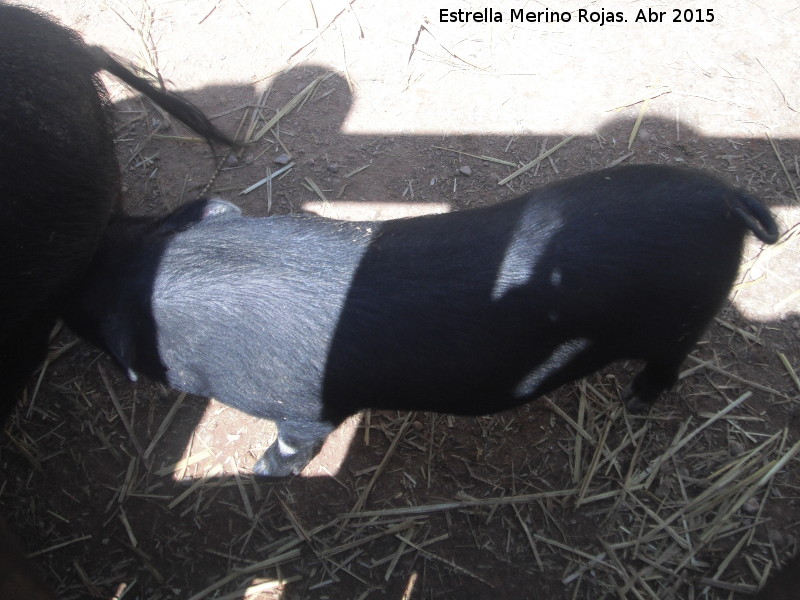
(306, 320)
(784, 584)
(59, 176)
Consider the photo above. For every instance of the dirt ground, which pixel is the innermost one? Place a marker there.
(130, 490)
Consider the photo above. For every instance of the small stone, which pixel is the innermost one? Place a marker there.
(231, 161)
(333, 168)
(751, 507)
(736, 449)
(282, 159)
(776, 537)
(465, 170)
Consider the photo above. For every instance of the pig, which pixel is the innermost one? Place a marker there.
(59, 176)
(784, 584)
(306, 320)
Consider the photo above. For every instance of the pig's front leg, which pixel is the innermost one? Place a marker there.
(291, 452)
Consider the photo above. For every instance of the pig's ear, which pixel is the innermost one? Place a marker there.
(195, 212)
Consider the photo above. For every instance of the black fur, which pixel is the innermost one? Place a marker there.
(306, 320)
(59, 176)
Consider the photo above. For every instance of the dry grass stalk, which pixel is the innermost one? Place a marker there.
(745, 334)
(396, 555)
(749, 383)
(730, 492)
(93, 590)
(528, 535)
(213, 472)
(578, 454)
(315, 188)
(185, 462)
(789, 369)
(570, 549)
(555, 408)
(611, 494)
(162, 429)
(599, 449)
(356, 171)
(535, 161)
(448, 506)
(289, 106)
(242, 492)
(304, 535)
(267, 179)
(256, 114)
(428, 27)
(444, 561)
(127, 486)
(178, 138)
(428, 542)
(638, 123)
(635, 102)
(123, 417)
(36, 387)
(621, 159)
(254, 568)
(762, 477)
(676, 446)
(26, 451)
(408, 524)
(738, 588)
(362, 499)
(727, 560)
(788, 177)
(125, 523)
(499, 161)
(58, 546)
(584, 567)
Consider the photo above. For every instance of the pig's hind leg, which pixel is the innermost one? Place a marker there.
(656, 377)
(296, 445)
(663, 363)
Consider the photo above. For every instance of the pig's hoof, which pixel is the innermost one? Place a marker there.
(267, 468)
(275, 463)
(633, 403)
(637, 407)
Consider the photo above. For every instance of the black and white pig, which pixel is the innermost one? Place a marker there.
(59, 176)
(307, 320)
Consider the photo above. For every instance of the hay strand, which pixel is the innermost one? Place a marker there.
(535, 161)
